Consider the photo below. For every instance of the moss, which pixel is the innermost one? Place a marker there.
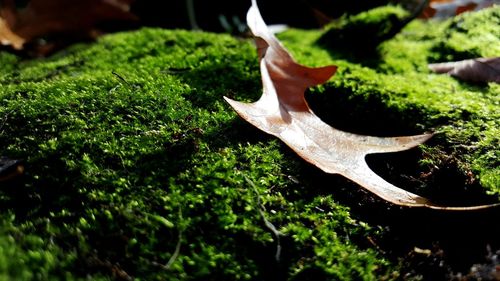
(27, 256)
(367, 29)
(410, 51)
(334, 256)
(467, 35)
(130, 152)
(135, 167)
(8, 61)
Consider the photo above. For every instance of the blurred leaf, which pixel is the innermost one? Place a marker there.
(475, 70)
(451, 8)
(48, 17)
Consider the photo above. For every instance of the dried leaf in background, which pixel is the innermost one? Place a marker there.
(10, 168)
(46, 17)
(282, 111)
(451, 8)
(475, 70)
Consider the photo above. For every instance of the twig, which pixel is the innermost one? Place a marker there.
(176, 253)
(192, 15)
(4, 120)
(121, 79)
(267, 223)
(177, 250)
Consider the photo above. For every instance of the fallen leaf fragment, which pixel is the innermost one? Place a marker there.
(282, 111)
(9, 38)
(450, 8)
(10, 168)
(475, 70)
(45, 17)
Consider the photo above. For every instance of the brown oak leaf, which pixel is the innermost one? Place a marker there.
(282, 111)
(451, 8)
(45, 17)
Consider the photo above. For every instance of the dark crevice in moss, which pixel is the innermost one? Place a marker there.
(363, 115)
(356, 37)
(207, 77)
(450, 235)
(447, 185)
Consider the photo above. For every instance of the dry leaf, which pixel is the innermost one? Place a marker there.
(43, 17)
(10, 168)
(282, 111)
(450, 8)
(475, 70)
(7, 37)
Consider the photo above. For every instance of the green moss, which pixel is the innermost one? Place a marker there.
(27, 256)
(131, 152)
(410, 51)
(135, 167)
(366, 29)
(334, 256)
(8, 61)
(467, 35)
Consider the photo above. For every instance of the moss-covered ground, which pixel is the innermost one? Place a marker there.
(136, 168)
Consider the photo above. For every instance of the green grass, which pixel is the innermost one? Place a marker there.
(131, 152)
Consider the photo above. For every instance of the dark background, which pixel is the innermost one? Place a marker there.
(296, 13)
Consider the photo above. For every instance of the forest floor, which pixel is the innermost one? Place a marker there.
(136, 168)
